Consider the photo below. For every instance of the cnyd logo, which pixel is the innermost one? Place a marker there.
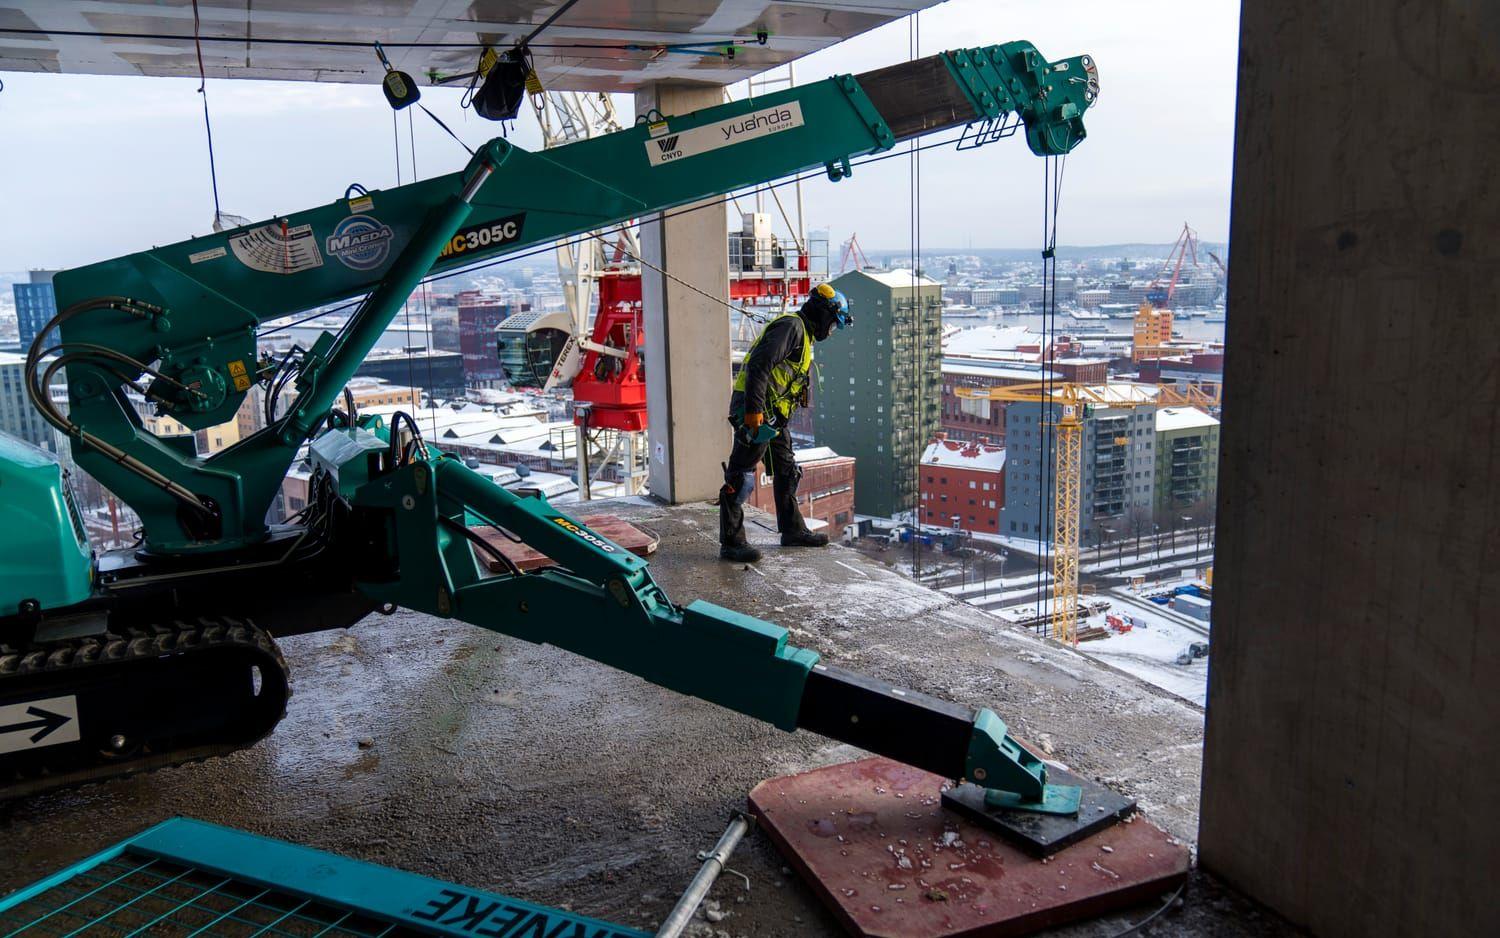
(361, 242)
(667, 144)
(582, 532)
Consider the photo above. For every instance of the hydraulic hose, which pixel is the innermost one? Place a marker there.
(39, 392)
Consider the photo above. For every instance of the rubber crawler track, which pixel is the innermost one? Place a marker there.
(46, 665)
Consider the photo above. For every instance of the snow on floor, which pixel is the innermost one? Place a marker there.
(1150, 654)
(995, 584)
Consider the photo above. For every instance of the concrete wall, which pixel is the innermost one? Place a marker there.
(687, 333)
(1354, 705)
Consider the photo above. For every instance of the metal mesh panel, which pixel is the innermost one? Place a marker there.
(134, 894)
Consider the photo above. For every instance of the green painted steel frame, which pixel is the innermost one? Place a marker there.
(601, 602)
(408, 899)
(45, 557)
(1014, 77)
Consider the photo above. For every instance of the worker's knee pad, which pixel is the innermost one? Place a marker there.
(738, 486)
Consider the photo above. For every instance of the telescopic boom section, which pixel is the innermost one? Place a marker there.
(208, 297)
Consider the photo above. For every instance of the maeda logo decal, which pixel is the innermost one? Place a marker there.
(661, 150)
(361, 242)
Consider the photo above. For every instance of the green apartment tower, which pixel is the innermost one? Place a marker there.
(878, 392)
(1187, 462)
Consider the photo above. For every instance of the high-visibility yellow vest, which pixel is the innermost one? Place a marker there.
(788, 379)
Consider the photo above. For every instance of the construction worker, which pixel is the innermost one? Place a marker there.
(771, 385)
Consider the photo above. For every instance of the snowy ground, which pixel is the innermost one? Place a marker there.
(1150, 653)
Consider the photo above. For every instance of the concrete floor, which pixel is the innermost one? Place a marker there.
(527, 771)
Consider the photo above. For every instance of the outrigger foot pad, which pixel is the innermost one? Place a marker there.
(1056, 799)
(1037, 830)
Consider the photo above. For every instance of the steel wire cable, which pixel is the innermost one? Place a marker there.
(579, 239)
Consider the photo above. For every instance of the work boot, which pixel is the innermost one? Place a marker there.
(739, 553)
(804, 538)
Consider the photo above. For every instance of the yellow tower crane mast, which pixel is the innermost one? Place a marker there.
(1074, 404)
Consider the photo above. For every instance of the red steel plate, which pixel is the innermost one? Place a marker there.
(873, 840)
(637, 541)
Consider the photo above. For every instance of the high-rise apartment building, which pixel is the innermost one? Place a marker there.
(17, 417)
(1187, 462)
(35, 305)
(879, 385)
(1117, 457)
(1153, 333)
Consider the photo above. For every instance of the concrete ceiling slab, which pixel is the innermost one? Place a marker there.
(596, 45)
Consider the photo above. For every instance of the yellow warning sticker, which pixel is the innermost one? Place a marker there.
(241, 382)
(237, 368)
(362, 204)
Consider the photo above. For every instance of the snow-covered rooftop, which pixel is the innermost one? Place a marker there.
(964, 455)
(993, 368)
(1183, 418)
(990, 341)
(898, 278)
(815, 454)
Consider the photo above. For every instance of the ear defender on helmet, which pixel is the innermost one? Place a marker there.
(837, 303)
(841, 310)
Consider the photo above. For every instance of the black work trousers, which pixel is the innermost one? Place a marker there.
(740, 477)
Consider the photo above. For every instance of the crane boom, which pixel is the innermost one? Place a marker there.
(390, 520)
(198, 304)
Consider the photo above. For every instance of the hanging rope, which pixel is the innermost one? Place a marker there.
(208, 127)
(411, 366)
(411, 135)
(580, 239)
(1052, 176)
(743, 311)
(914, 183)
(440, 123)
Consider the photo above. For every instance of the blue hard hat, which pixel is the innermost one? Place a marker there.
(841, 309)
(836, 301)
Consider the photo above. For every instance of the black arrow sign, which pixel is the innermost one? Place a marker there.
(48, 723)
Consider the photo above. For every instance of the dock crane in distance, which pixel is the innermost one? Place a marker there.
(1073, 403)
(1186, 246)
(144, 658)
(852, 254)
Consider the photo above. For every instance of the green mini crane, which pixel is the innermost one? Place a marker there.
(122, 661)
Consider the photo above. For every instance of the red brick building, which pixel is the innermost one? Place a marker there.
(478, 315)
(1082, 370)
(826, 493)
(965, 479)
(981, 420)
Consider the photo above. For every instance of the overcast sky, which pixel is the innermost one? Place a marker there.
(93, 167)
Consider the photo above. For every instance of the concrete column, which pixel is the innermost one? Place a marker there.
(1353, 736)
(687, 334)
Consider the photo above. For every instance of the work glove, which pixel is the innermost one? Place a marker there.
(753, 422)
